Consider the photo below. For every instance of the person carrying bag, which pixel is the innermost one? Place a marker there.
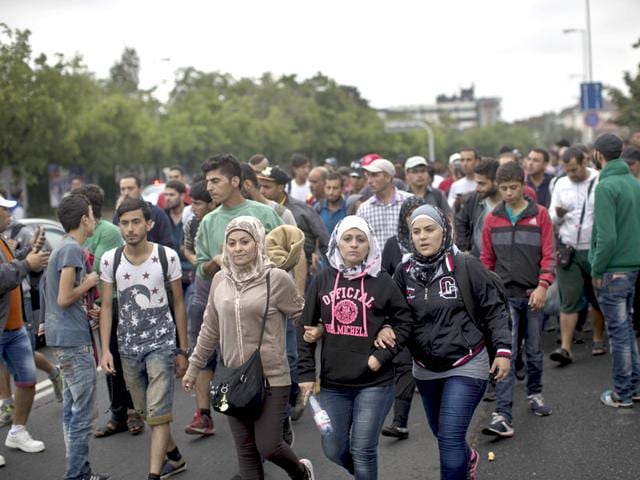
(252, 342)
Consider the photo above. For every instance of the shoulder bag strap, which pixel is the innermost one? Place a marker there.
(584, 208)
(266, 308)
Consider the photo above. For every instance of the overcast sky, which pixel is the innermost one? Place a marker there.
(399, 52)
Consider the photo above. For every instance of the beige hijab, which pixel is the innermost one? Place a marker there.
(242, 276)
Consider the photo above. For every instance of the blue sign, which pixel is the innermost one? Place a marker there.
(591, 96)
(591, 119)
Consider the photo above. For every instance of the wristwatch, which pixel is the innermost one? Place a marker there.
(179, 351)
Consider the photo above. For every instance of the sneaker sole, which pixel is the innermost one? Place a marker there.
(617, 405)
(199, 431)
(495, 433)
(175, 472)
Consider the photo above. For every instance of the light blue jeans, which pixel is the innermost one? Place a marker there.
(616, 302)
(78, 368)
(357, 416)
(151, 382)
(521, 312)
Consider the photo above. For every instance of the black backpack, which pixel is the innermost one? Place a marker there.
(162, 255)
(461, 266)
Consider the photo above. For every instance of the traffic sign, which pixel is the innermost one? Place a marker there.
(591, 96)
(591, 119)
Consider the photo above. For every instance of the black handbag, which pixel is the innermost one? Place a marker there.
(565, 255)
(241, 391)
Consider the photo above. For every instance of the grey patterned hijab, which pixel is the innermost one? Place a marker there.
(240, 276)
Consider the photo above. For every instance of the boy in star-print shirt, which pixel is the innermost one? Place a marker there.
(147, 333)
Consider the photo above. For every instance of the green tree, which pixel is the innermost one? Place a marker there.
(628, 105)
(124, 75)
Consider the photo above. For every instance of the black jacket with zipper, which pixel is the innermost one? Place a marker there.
(444, 335)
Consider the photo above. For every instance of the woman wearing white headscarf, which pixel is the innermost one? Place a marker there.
(352, 298)
(233, 317)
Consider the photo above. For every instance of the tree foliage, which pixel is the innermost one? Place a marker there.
(56, 111)
(628, 106)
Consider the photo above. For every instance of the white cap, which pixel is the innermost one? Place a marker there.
(381, 165)
(454, 158)
(7, 203)
(413, 162)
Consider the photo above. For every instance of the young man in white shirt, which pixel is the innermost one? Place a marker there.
(468, 160)
(148, 333)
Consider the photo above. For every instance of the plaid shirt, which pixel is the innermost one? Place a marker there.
(382, 218)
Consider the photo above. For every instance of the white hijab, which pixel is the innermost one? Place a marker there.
(372, 263)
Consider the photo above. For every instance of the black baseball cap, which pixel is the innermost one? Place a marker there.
(274, 174)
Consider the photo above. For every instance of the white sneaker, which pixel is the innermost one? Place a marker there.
(2, 462)
(23, 441)
(309, 467)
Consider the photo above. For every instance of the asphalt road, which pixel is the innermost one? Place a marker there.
(582, 439)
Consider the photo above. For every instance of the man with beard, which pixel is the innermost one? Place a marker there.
(476, 206)
(334, 207)
(419, 177)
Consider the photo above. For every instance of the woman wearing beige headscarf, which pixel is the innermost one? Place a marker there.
(234, 317)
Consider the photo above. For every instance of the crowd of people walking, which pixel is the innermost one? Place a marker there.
(261, 285)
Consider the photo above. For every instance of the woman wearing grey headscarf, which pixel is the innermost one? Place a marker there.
(450, 357)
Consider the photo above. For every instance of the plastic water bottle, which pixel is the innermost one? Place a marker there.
(320, 416)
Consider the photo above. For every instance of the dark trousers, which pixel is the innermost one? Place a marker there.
(262, 437)
(118, 393)
(405, 386)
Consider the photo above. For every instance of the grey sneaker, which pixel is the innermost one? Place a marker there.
(499, 426)
(612, 399)
(536, 402)
(309, 469)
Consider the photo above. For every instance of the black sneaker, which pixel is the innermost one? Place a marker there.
(395, 432)
(562, 356)
(287, 432)
(499, 426)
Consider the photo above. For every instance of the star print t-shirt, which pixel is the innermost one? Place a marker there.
(145, 323)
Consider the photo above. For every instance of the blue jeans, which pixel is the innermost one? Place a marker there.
(357, 416)
(616, 302)
(449, 404)
(79, 406)
(16, 353)
(520, 312)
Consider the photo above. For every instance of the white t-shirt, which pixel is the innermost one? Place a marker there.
(145, 322)
(460, 186)
(299, 192)
(437, 180)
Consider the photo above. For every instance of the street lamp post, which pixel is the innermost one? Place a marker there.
(587, 64)
(396, 126)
